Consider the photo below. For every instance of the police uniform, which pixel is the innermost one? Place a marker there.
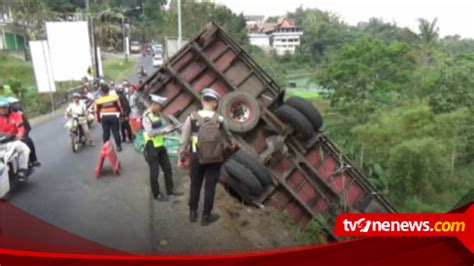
(155, 151)
(108, 111)
(201, 173)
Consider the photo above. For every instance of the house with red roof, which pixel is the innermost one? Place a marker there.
(282, 36)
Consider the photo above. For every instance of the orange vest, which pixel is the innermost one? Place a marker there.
(108, 105)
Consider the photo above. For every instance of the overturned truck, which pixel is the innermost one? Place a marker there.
(284, 159)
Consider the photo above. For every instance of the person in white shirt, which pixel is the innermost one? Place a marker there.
(79, 109)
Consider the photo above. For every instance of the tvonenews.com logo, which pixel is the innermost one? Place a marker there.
(459, 225)
(364, 225)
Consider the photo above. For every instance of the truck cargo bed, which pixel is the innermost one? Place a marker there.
(311, 178)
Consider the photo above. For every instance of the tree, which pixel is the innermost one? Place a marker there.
(429, 33)
(323, 34)
(32, 14)
(412, 152)
(368, 74)
(389, 32)
(195, 15)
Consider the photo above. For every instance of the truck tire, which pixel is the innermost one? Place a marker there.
(240, 173)
(240, 110)
(254, 165)
(301, 125)
(307, 109)
(241, 190)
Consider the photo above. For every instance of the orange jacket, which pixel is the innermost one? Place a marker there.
(12, 124)
(107, 105)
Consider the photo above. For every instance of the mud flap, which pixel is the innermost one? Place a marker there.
(4, 180)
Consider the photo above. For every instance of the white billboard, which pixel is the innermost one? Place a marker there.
(42, 66)
(69, 49)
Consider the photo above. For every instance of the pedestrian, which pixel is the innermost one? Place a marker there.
(206, 130)
(124, 124)
(155, 151)
(133, 101)
(108, 112)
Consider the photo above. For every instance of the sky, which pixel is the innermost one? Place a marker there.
(454, 17)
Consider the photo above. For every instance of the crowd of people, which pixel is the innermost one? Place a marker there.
(204, 136)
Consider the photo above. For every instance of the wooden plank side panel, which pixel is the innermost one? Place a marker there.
(183, 60)
(202, 81)
(225, 60)
(215, 49)
(343, 183)
(253, 86)
(178, 104)
(237, 72)
(191, 70)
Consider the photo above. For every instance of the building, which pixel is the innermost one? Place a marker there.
(282, 36)
(254, 19)
(12, 36)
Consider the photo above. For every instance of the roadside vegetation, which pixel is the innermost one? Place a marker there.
(116, 68)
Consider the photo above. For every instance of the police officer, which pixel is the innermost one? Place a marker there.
(108, 112)
(155, 152)
(207, 173)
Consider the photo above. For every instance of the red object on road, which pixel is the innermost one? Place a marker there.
(135, 123)
(108, 151)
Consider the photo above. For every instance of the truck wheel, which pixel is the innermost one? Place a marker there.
(240, 173)
(307, 109)
(254, 165)
(301, 125)
(240, 110)
(240, 190)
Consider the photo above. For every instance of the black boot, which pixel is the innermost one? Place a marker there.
(193, 216)
(175, 193)
(209, 218)
(161, 197)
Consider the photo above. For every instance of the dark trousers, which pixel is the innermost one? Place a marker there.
(126, 130)
(156, 157)
(29, 142)
(207, 173)
(111, 123)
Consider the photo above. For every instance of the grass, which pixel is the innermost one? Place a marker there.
(13, 68)
(117, 68)
(312, 234)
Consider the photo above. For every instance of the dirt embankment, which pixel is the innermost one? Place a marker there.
(241, 228)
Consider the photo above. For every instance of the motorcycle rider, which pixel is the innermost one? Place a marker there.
(15, 105)
(142, 72)
(79, 109)
(11, 123)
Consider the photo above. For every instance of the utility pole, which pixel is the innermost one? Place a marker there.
(124, 38)
(92, 39)
(179, 24)
(144, 21)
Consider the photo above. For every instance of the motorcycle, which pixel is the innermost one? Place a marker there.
(142, 73)
(90, 109)
(9, 165)
(77, 137)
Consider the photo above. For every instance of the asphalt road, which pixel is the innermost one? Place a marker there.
(112, 210)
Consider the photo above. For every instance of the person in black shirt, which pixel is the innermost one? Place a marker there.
(125, 128)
